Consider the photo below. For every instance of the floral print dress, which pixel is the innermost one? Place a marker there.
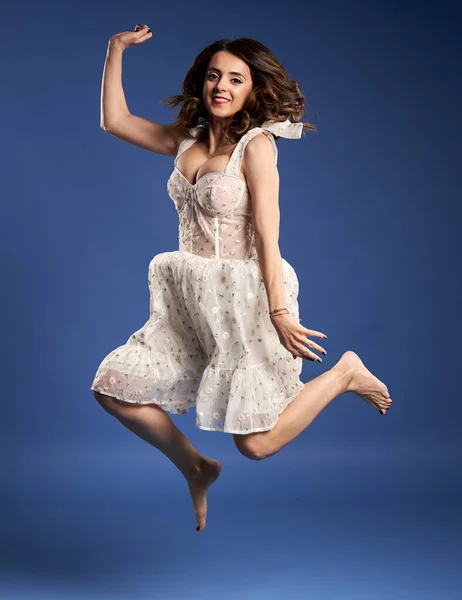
(209, 341)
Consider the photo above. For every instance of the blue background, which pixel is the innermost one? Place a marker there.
(358, 506)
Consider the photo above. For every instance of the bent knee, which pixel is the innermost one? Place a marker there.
(101, 397)
(107, 402)
(249, 446)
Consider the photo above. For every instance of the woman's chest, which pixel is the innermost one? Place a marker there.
(215, 194)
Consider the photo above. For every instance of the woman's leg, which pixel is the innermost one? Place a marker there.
(152, 424)
(348, 375)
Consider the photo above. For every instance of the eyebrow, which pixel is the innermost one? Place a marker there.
(231, 72)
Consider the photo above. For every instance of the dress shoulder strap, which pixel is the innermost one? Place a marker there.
(234, 164)
(186, 143)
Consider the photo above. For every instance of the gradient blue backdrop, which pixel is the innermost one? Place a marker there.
(359, 506)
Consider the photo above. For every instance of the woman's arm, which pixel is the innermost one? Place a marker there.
(263, 180)
(116, 118)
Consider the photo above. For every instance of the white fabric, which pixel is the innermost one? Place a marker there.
(286, 129)
(209, 341)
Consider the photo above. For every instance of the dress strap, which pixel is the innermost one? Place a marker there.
(186, 143)
(234, 164)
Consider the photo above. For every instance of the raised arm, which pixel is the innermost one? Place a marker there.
(116, 118)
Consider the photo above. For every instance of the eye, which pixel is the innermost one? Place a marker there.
(215, 75)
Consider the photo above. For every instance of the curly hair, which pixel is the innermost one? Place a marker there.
(273, 96)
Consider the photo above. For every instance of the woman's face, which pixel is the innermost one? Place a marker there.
(229, 77)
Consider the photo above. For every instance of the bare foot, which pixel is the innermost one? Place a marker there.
(198, 484)
(363, 383)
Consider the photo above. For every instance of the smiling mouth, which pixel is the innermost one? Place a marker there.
(220, 100)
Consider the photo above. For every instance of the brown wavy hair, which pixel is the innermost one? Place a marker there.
(273, 96)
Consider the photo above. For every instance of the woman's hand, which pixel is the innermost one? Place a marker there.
(293, 336)
(130, 38)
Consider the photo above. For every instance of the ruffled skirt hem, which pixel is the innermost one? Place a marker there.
(181, 408)
(208, 343)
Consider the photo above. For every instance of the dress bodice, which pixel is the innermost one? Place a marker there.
(215, 213)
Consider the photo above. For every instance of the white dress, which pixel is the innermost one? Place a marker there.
(209, 341)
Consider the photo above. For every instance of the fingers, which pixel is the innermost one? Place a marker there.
(144, 31)
(303, 339)
(302, 351)
(299, 346)
(306, 342)
(312, 332)
(293, 336)
(313, 345)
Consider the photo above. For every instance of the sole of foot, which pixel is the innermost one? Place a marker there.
(198, 485)
(364, 384)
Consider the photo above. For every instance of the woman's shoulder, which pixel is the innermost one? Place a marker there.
(257, 144)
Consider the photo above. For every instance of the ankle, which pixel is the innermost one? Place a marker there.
(196, 467)
(344, 377)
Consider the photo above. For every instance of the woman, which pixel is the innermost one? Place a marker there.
(223, 333)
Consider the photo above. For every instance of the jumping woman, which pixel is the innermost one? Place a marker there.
(223, 334)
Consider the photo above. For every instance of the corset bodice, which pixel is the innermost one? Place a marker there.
(215, 213)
